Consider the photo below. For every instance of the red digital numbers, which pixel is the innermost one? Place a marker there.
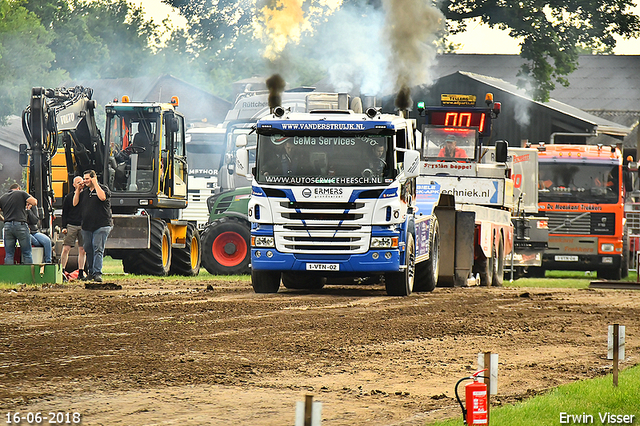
(458, 119)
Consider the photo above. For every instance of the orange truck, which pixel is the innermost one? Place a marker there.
(581, 190)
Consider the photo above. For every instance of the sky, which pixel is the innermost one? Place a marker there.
(477, 39)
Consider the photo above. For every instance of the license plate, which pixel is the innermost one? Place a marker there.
(323, 267)
(566, 258)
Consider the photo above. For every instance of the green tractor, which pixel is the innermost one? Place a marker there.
(226, 239)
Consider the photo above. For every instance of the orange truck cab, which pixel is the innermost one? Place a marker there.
(581, 191)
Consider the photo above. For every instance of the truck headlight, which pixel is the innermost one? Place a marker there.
(262, 241)
(384, 242)
(606, 247)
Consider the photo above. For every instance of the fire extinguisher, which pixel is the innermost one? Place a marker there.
(476, 410)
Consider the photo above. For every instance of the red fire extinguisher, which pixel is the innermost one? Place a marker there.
(475, 412)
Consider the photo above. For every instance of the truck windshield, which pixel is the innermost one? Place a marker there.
(578, 182)
(324, 159)
(204, 153)
(449, 143)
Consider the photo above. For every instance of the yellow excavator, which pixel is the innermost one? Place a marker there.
(142, 160)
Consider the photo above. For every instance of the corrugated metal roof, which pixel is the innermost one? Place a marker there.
(601, 82)
(603, 126)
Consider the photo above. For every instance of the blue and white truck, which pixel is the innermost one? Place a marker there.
(342, 193)
(333, 196)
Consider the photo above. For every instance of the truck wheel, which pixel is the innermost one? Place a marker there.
(186, 261)
(613, 274)
(486, 268)
(265, 281)
(227, 243)
(624, 265)
(498, 268)
(535, 272)
(427, 272)
(301, 281)
(401, 283)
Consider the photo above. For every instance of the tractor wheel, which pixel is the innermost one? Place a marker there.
(227, 247)
(427, 272)
(186, 261)
(302, 281)
(265, 281)
(156, 260)
(401, 283)
(130, 263)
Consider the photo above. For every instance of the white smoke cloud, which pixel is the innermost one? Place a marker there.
(355, 55)
(412, 28)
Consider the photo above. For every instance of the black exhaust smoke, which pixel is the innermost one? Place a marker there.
(276, 85)
(403, 100)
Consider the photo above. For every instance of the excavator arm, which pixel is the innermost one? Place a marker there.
(59, 118)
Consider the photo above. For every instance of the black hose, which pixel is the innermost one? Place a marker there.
(464, 410)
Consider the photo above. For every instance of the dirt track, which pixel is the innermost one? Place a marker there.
(179, 354)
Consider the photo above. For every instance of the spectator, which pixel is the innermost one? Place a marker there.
(72, 230)
(13, 205)
(38, 239)
(95, 201)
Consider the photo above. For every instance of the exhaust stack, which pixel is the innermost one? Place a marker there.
(403, 101)
(276, 85)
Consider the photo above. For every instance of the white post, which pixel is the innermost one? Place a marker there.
(308, 412)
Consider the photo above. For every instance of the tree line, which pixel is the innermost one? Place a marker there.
(45, 42)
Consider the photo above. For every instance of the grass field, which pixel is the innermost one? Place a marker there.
(590, 401)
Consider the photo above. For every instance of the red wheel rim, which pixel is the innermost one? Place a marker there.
(229, 249)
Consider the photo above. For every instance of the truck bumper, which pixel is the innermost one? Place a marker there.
(583, 262)
(347, 264)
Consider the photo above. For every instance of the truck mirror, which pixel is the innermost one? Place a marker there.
(411, 164)
(241, 141)
(23, 156)
(501, 151)
(242, 161)
(173, 124)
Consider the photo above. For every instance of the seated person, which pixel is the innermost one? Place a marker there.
(38, 239)
(451, 150)
(378, 163)
(285, 163)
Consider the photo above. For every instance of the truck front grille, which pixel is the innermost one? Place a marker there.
(328, 227)
(584, 223)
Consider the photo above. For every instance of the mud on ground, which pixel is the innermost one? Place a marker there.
(177, 353)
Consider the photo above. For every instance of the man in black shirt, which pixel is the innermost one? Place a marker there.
(95, 200)
(14, 208)
(72, 229)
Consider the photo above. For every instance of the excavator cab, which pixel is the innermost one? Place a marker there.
(145, 148)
